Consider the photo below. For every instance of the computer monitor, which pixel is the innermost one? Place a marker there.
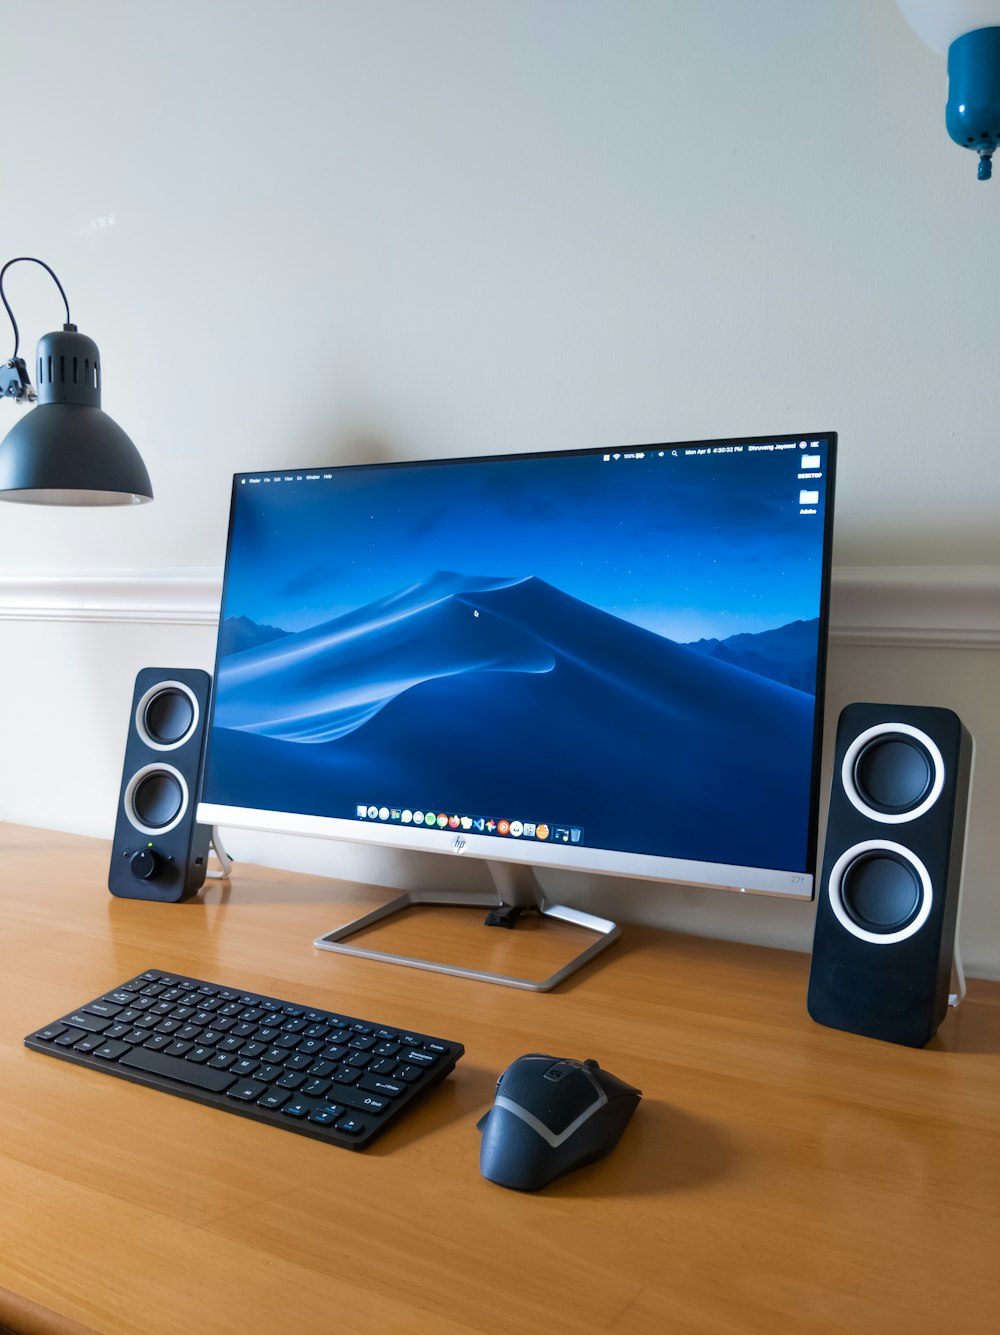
(603, 660)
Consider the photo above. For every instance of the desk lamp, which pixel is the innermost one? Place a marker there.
(968, 32)
(67, 451)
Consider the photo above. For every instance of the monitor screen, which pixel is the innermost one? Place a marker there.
(603, 660)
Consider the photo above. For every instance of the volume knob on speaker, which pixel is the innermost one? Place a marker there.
(145, 864)
(888, 906)
(164, 754)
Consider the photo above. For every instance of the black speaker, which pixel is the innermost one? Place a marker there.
(895, 842)
(160, 851)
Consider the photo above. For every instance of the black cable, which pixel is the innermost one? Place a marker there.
(31, 260)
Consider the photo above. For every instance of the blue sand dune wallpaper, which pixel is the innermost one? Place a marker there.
(618, 652)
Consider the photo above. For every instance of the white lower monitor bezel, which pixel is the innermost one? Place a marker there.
(506, 848)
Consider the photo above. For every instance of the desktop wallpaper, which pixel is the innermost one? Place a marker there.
(608, 649)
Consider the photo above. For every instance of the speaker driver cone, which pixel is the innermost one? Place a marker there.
(893, 773)
(167, 715)
(880, 891)
(156, 799)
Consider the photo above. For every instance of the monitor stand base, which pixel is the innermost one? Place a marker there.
(516, 888)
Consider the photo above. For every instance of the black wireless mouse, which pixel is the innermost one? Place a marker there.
(549, 1116)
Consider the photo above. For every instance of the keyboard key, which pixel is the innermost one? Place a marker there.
(418, 1057)
(187, 1073)
(68, 1037)
(247, 1091)
(357, 1098)
(111, 1051)
(325, 1114)
(274, 1098)
(379, 1084)
(84, 1021)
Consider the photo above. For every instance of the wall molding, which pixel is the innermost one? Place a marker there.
(941, 607)
(918, 606)
(187, 596)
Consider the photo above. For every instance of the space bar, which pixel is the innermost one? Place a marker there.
(184, 1072)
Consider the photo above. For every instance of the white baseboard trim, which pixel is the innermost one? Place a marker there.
(919, 606)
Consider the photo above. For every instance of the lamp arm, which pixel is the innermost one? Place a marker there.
(30, 259)
(14, 380)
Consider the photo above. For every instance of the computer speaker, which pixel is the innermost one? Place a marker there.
(884, 942)
(160, 851)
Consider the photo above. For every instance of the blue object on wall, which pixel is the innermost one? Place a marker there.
(972, 114)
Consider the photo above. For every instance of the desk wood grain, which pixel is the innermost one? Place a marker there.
(778, 1176)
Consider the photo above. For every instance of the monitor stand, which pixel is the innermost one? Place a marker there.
(517, 892)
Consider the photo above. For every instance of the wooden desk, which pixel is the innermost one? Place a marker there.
(777, 1177)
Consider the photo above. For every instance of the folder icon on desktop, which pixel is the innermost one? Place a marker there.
(808, 498)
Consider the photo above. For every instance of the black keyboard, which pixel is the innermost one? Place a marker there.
(320, 1073)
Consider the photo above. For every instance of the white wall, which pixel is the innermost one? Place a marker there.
(329, 231)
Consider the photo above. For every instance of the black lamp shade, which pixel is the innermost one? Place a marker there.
(66, 450)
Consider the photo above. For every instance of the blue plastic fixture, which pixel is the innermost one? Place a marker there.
(972, 114)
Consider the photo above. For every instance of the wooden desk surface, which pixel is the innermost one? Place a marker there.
(777, 1176)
